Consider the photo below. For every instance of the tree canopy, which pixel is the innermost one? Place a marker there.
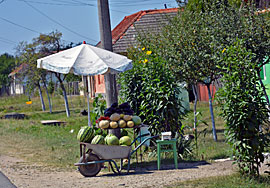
(7, 64)
(41, 46)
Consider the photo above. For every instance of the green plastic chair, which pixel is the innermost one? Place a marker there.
(160, 150)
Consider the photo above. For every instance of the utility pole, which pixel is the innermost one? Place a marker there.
(106, 43)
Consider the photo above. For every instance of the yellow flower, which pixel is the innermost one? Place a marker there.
(29, 102)
(148, 52)
(223, 50)
(145, 61)
(143, 48)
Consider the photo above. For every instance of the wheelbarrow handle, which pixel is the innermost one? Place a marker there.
(140, 136)
(143, 142)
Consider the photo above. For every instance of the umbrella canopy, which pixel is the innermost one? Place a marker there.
(85, 60)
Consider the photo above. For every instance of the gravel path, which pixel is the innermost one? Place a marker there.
(26, 175)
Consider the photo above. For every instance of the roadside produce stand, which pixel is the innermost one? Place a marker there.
(92, 156)
(87, 60)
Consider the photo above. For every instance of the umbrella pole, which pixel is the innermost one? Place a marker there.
(88, 105)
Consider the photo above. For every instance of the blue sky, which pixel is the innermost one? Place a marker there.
(23, 20)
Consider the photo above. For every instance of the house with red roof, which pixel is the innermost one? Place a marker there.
(125, 33)
(124, 36)
(17, 86)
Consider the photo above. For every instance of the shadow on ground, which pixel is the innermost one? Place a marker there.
(150, 167)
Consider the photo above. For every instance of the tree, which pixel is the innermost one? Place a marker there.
(244, 109)
(152, 91)
(238, 42)
(43, 45)
(192, 43)
(199, 33)
(7, 64)
(182, 2)
(46, 45)
(29, 56)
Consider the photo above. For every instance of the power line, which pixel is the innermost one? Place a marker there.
(59, 4)
(3, 41)
(21, 26)
(6, 20)
(74, 32)
(140, 4)
(66, 3)
(83, 3)
(7, 40)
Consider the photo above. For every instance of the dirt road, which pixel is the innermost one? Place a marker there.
(26, 175)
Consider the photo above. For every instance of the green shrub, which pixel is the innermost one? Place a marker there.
(244, 109)
(151, 89)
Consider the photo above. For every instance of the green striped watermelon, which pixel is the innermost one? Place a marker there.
(98, 139)
(86, 134)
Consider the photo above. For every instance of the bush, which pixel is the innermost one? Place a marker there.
(151, 89)
(244, 109)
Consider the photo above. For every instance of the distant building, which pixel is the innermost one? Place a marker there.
(124, 35)
(18, 85)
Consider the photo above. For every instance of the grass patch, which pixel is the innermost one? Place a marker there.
(231, 181)
(208, 149)
(57, 145)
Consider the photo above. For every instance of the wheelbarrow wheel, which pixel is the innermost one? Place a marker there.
(91, 169)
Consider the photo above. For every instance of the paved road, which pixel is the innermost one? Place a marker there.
(4, 182)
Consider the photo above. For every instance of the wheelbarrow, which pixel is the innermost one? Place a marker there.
(93, 156)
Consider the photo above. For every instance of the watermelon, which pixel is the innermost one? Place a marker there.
(111, 140)
(98, 139)
(86, 134)
(80, 132)
(125, 141)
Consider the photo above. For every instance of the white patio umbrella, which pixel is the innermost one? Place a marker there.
(85, 60)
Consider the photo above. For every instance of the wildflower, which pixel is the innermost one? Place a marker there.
(145, 61)
(143, 48)
(148, 52)
(223, 50)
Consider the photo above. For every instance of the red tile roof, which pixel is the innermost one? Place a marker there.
(128, 21)
(19, 69)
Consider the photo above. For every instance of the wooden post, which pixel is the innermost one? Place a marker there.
(106, 43)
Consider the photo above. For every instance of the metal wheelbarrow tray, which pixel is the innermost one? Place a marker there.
(94, 155)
